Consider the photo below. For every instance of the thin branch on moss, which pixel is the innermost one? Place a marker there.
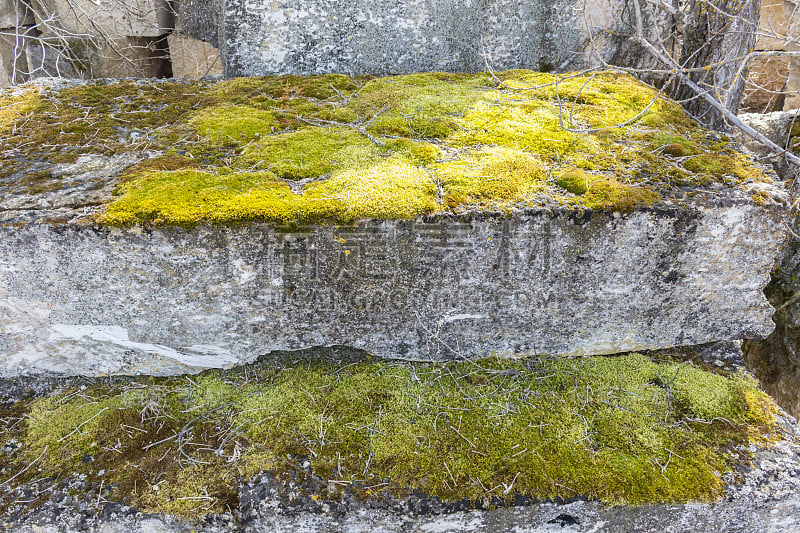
(360, 127)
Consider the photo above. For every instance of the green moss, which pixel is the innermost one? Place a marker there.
(310, 152)
(624, 429)
(608, 194)
(720, 165)
(491, 174)
(12, 108)
(419, 152)
(489, 140)
(575, 180)
(241, 90)
(418, 105)
(674, 144)
(192, 491)
(68, 431)
(233, 124)
(388, 189)
(167, 162)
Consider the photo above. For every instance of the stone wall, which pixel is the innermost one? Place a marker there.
(391, 36)
(108, 38)
(114, 38)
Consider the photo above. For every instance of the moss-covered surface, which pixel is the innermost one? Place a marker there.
(626, 429)
(303, 149)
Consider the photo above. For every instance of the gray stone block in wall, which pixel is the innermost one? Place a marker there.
(89, 300)
(191, 58)
(15, 13)
(404, 36)
(13, 58)
(394, 36)
(106, 19)
(200, 19)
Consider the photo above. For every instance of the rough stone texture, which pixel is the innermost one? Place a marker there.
(193, 59)
(14, 13)
(725, 355)
(762, 499)
(200, 19)
(775, 126)
(779, 25)
(78, 299)
(123, 57)
(87, 182)
(394, 37)
(792, 89)
(13, 61)
(774, 81)
(767, 83)
(108, 19)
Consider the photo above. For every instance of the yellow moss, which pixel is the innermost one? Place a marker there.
(242, 136)
(575, 180)
(601, 99)
(310, 152)
(531, 126)
(760, 198)
(419, 152)
(195, 490)
(674, 144)
(607, 194)
(721, 165)
(389, 189)
(418, 105)
(13, 107)
(233, 124)
(191, 196)
(491, 174)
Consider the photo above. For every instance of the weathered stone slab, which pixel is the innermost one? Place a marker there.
(107, 19)
(775, 126)
(778, 25)
(420, 246)
(405, 36)
(128, 57)
(14, 13)
(13, 61)
(765, 91)
(78, 299)
(191, 58)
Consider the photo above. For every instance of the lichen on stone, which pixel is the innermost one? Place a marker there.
(289, 148)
